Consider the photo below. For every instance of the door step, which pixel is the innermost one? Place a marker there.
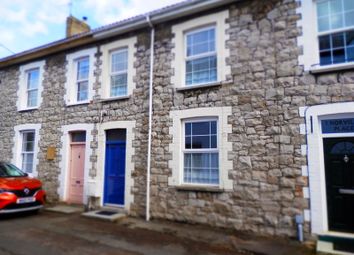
(336, 245)
(66, 209)
(106, 214)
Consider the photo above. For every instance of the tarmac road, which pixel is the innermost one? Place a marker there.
(49, 233)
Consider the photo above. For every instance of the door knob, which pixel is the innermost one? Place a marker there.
(346, 158)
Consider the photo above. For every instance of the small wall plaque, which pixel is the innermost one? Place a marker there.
(51, 153)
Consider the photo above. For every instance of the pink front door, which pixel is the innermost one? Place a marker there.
(76, 173)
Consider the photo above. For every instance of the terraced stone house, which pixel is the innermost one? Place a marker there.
(231, 113)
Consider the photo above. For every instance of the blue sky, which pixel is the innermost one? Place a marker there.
(25, 24)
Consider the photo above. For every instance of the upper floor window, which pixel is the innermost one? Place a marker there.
(201, 56)
(82, 79)
(80, 76)
(201, 154)
(30, 86)
(117, 79)
(200, 51)
(335, 22)
(119, 73)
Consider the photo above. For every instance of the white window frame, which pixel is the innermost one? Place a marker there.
(18, 142)
(22, 92)
(78, 81)
(217, 20)
(24, 152)
(210, 150)
(309, 40)
(71, 76)
(118, 72)
(107, 49)
(199, 56)
(224, 146)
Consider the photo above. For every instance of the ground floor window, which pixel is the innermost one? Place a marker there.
(27, 153)
(200, 152)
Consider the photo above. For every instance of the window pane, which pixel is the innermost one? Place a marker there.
(349, 18)
(325, 58)
(201, 128)
(33, 79)
(201, 168)
(338, 56)
(188, 142)
(27, 162)
(350, 38)
(348, 5)
(214, 160)
(32, 98)
(213, 141)
(200, 142)
(201, 70)
(83, 69)
(82, 91)
(323, 24)
(336, 21)
(350, 53)
(322, 9)
(119, 61)
(338, 40)
(28, 141)
(78, 136)
(201, 42)
(188, 128)
(201, 135)
(336, 6)
(119, 85)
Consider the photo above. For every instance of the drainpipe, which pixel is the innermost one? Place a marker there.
(152, 34)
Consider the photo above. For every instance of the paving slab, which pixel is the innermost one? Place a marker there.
(105, 215)
(67, 209)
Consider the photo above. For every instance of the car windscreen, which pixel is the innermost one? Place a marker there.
(8, 170)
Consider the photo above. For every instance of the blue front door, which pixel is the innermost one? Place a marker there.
(114, 173)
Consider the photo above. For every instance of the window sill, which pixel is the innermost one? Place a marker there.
(332, 68)
(215, 189)
(28, 109)
(78, 103)
(207, 85)
(114, 99)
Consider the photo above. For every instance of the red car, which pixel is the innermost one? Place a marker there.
(18, 192)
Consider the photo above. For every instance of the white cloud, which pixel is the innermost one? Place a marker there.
(26, 24)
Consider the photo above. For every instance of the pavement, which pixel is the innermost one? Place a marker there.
(53, 233)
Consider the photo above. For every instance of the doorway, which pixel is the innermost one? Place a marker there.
(76, 167)
(115, 157)
(339, 171)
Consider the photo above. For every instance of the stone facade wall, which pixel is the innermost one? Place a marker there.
(267, 88)
(267, 190)
(53, 114)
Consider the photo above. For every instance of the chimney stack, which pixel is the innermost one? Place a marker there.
(75, 26)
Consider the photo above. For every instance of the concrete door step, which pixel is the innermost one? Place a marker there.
(67, 209)
(105, 214)
(336, 245)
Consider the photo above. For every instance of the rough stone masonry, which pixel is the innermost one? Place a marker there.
(265, 90)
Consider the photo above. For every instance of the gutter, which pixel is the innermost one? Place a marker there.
(158, 16)
(148, 169)
(187, 8)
